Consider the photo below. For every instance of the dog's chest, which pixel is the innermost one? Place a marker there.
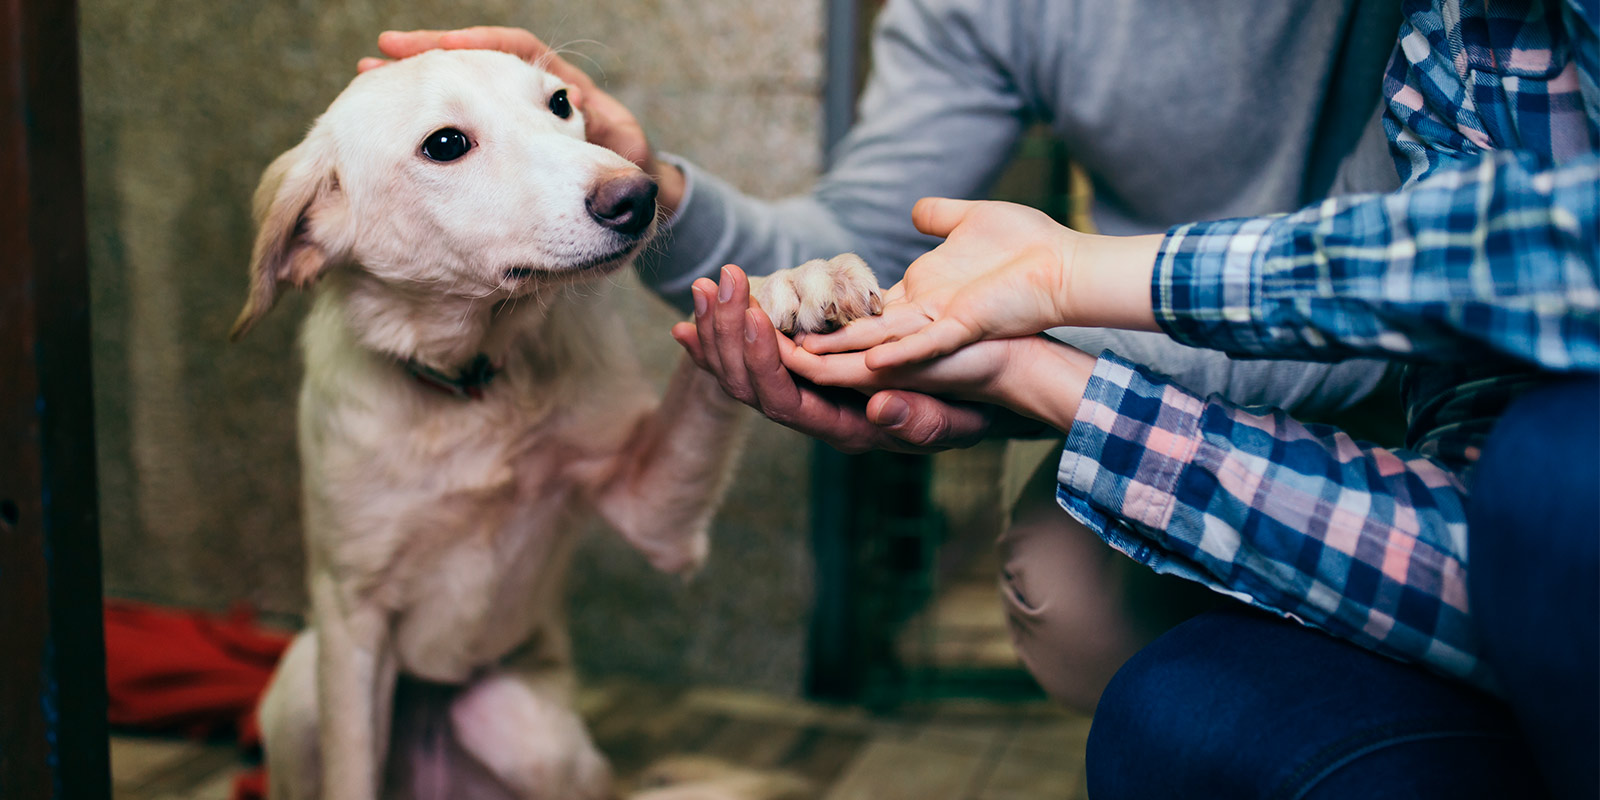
(476, 599)
(462, 524)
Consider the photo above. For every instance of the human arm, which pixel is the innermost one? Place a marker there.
(941, 112)
(1501, 255)
(1362, 541)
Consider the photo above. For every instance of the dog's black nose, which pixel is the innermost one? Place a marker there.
(624, 203)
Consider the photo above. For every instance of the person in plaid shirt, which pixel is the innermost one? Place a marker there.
(1480, 274)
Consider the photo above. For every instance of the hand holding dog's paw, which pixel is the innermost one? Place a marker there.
(820, 295)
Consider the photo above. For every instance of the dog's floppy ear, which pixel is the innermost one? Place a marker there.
(296, 208)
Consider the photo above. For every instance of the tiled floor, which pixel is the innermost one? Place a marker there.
(952, 750)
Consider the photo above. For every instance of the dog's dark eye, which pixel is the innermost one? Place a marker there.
(560, 105)
(446, 144)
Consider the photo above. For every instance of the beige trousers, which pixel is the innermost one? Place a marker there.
(1078, 609)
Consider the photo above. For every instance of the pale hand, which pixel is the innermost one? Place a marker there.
(1002, 271)
(1034, 377)
(732, 338)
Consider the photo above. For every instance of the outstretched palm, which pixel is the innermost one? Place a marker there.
(1000, 272)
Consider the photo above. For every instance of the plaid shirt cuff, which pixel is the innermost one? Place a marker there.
(1206, 287)
(1131, 441)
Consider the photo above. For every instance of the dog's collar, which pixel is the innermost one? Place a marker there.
(467, 383)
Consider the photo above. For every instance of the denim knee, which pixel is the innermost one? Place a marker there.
(1240, 705)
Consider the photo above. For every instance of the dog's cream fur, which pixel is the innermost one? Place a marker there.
(439, 528)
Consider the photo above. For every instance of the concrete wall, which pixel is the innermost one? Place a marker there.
(187, 100)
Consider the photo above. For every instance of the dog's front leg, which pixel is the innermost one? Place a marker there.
(356, 672)
(666, 482)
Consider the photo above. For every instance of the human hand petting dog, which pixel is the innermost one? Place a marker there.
(607, 122)
(1004, 270)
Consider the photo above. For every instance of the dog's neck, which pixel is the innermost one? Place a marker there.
(437, 331)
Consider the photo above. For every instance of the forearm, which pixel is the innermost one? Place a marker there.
(1303, 388)
(1499, 256)
(1108, 283)
(716, 224)
(1046, 383)
(937, 117)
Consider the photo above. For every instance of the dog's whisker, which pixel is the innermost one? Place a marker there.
(566, 49)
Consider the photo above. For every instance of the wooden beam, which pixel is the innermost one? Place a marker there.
(52, 651)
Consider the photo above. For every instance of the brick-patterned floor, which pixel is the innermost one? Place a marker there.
(951, 750)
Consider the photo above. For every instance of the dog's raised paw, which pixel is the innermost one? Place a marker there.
(820, 295)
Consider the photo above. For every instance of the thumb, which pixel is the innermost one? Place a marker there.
(925, 421)
(938, 216)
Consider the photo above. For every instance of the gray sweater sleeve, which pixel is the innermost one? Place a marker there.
(940, 116)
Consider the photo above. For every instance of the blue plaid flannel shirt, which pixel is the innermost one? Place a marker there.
(1480, 273)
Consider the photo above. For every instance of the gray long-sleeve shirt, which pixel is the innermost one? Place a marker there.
(1177, 111)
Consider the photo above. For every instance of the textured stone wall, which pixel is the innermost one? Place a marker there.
(186, 101)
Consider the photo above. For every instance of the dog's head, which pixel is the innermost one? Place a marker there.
(454, 172)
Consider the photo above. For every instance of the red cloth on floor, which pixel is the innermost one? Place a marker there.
(189, 671)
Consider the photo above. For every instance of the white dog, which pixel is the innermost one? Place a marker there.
(468, 394)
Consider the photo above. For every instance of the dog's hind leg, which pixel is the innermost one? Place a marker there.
(288, 716)
(521, 727)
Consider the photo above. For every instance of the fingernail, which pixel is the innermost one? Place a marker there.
(725, 288)
(750, 329)
(893, 412)
(699, 302)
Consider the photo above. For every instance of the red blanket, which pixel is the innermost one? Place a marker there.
(191, 672)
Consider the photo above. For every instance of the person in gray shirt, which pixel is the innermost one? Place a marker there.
(1177, 112)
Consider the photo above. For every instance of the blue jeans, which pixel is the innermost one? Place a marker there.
(1533, 539)
(1237, 704)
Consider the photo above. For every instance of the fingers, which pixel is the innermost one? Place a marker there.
(728, 329)
(847, 370)
(937, 216)
(776, 394)
(928, 422)
(516, 41)
(719, 327)
(405, 44)
(492, 37)
(370, 63)
(939, 338)
(895, 322)
(841, 423)
(705, 294)
(684, 334)
(899, 420)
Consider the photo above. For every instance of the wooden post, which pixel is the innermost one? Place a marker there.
(52, 650)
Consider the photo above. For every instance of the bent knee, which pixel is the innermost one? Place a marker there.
(1061, 601)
